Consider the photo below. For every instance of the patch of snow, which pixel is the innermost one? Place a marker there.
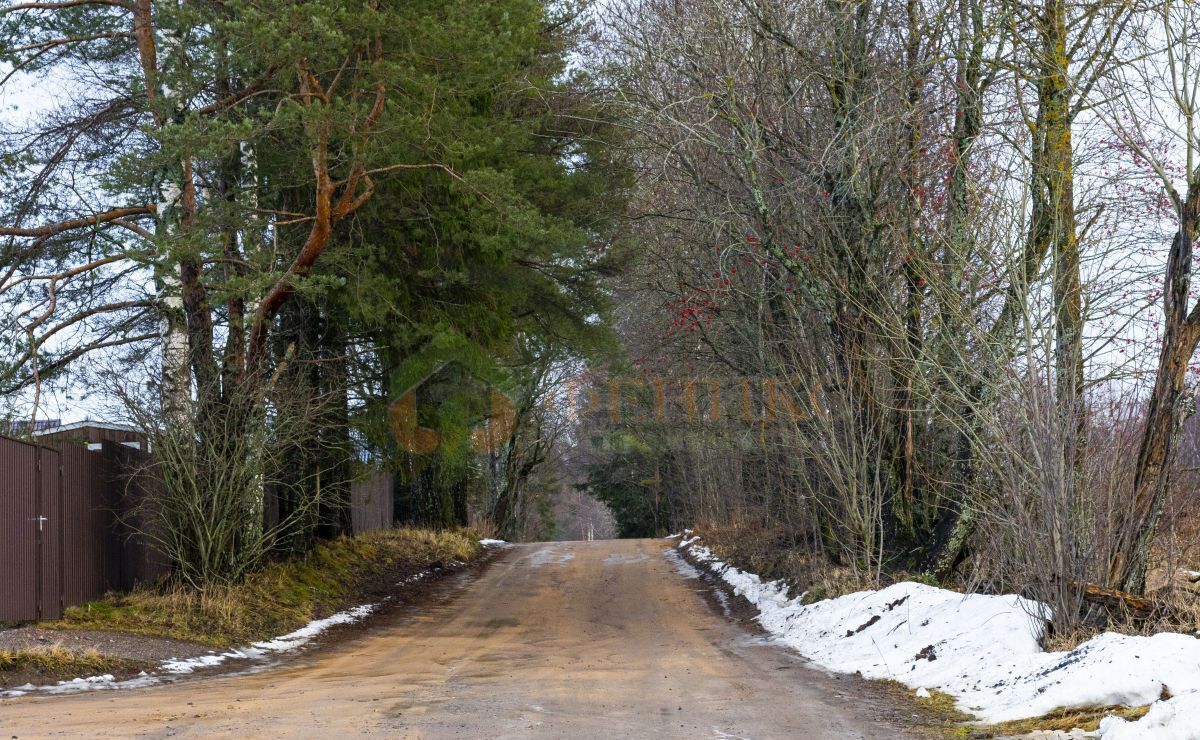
(682, 567)
(1177, 718)
(293, 640)
(92, 679)
(622, 559)
(983, 650)
(187, 665)
(493, 543)
(923, 693)
(414, 578)
(724, 600)
(91, 683)
(551, 554)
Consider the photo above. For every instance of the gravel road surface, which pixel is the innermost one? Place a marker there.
(564, 640)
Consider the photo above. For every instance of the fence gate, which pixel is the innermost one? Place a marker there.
(30, 532)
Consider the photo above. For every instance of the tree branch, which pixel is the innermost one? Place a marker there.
(78, 223)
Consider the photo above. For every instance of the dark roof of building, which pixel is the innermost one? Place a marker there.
(19, 428)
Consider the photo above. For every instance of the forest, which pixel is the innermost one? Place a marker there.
(868, 288)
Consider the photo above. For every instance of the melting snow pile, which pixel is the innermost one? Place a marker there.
(283, 643)
(982, 650)
(1173, 719)
(293, 640)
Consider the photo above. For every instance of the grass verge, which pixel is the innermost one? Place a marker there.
(281, 597)
(55, 662)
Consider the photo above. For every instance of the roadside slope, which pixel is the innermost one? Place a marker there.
(274, 609)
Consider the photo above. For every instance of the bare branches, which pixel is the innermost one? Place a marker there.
(887, 205)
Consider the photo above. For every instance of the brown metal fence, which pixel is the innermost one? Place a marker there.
(64, 538)
(21, 533)
(68, 529)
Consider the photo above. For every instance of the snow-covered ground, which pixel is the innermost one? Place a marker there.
(983, 650)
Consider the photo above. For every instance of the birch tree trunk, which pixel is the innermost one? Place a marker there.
(172, 195)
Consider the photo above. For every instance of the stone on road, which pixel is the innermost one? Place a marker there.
(566, 640)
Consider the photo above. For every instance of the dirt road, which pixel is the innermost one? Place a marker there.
(573, 640)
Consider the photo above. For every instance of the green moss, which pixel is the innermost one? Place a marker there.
(280, 597)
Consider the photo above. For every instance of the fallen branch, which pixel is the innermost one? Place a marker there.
(1114, 599)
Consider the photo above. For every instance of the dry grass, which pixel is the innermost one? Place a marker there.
(777, 554)
(772, 553)
(935, 717)
(56, 662)
(484, 527)
(1064, 720)
(1062, 642)
(938, 713)
(280, 597)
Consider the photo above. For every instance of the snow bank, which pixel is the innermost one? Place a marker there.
(493, 543)
(983, 650)
(1174, 719)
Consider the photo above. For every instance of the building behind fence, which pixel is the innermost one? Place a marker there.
(68, 529)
